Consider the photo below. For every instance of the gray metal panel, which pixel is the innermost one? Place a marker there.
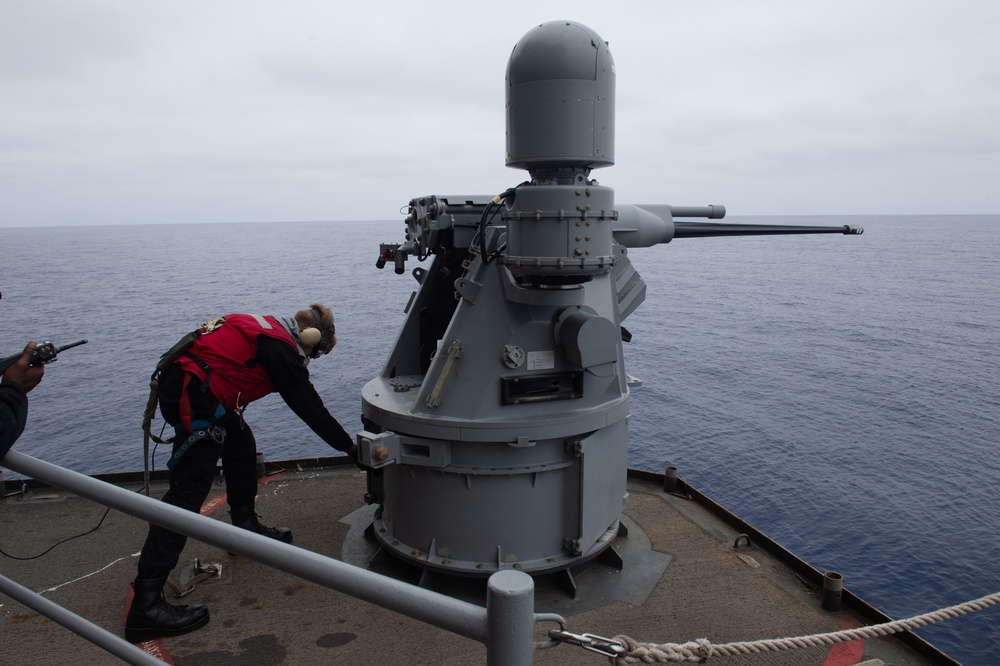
(603, 488)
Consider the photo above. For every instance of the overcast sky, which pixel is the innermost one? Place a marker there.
(140, 112)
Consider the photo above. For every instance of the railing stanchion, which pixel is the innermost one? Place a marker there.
(510, 617)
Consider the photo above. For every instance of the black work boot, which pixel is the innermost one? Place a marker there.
(150, 615)
(245, 517)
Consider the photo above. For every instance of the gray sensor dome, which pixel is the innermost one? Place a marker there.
(560, 100)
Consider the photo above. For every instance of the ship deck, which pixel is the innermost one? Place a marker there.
(682, 580)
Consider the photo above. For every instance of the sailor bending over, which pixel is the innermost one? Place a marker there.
(205, 382)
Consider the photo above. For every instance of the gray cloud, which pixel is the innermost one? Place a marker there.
(120, 112)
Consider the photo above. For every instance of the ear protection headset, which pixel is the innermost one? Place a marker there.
(317, 336)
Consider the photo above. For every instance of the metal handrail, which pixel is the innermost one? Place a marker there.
(505, 626)
(97, 635)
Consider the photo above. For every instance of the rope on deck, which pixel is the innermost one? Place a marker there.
(698, 651)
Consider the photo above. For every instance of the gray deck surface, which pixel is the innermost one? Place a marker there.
(263, 616)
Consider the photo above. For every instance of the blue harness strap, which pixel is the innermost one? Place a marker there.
(199, 431)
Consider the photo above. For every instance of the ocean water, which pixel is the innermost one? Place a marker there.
(840, 393)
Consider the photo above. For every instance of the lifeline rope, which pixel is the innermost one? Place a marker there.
(701, 649)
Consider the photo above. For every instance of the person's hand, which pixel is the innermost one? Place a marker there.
(21, 373)
(352, 453)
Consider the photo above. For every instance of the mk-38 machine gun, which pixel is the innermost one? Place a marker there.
(496, 435)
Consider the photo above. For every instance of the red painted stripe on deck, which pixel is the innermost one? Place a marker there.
(156, 647)
(272, 477)
(846, 654)
(214, 503)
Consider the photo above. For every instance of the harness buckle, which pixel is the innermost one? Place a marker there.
(217, 433)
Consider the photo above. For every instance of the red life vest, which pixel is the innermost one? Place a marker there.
(229, 351)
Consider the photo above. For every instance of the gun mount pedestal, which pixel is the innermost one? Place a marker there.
(502, 419)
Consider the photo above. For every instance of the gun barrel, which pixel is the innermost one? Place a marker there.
(711, 212)
(648, 225)
(705, 229)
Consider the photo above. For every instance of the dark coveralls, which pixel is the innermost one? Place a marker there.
(13, 414)
(192, 476)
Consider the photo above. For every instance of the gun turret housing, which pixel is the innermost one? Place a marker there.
(497, 432)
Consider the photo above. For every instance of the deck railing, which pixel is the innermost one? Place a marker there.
(505, 626)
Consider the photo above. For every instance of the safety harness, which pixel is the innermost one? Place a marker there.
(200, 428)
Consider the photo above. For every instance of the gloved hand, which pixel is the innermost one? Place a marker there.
(352, 453)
